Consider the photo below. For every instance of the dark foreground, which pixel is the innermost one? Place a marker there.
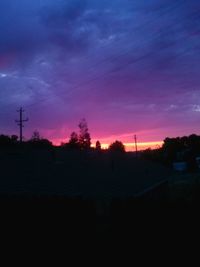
(47, 202)
(52, 222)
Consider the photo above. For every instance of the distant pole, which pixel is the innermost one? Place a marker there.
(136, 147)
(20, 123)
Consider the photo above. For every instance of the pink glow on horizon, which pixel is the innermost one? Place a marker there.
(147, 138)
(129, 146)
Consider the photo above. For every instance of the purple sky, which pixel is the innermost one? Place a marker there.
(128, 67)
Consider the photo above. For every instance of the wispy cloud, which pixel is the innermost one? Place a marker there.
(127, 66)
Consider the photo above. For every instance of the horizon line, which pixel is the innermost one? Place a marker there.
(128, 146)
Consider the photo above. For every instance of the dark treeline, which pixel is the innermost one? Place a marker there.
(12, 142)
(179, 149)
(77, 142)
(30, 175)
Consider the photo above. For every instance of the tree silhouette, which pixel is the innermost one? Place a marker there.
(84, 137)
(98, 146)
(8, 141)
(35, 136)
(37, 142)
(5, 141)
(185, 148)
(73, 141)
(14, 138)
(117, 146)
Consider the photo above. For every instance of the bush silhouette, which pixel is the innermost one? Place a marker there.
(117, 146)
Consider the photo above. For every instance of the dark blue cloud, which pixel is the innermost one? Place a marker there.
(79, 55)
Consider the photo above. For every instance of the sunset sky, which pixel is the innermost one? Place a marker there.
(127, 66)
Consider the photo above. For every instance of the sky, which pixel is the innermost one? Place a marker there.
(127, 66)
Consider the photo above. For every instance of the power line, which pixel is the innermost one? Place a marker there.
(168, 10)
(115, 70)
(132, 61)
(104, 74)
(113, 59)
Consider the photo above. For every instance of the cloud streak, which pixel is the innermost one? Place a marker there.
(127, 66)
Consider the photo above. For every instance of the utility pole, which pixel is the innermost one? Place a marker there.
(20, 123)
(136, 148)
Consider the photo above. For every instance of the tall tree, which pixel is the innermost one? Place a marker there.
(73, 141)
(84, 136)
